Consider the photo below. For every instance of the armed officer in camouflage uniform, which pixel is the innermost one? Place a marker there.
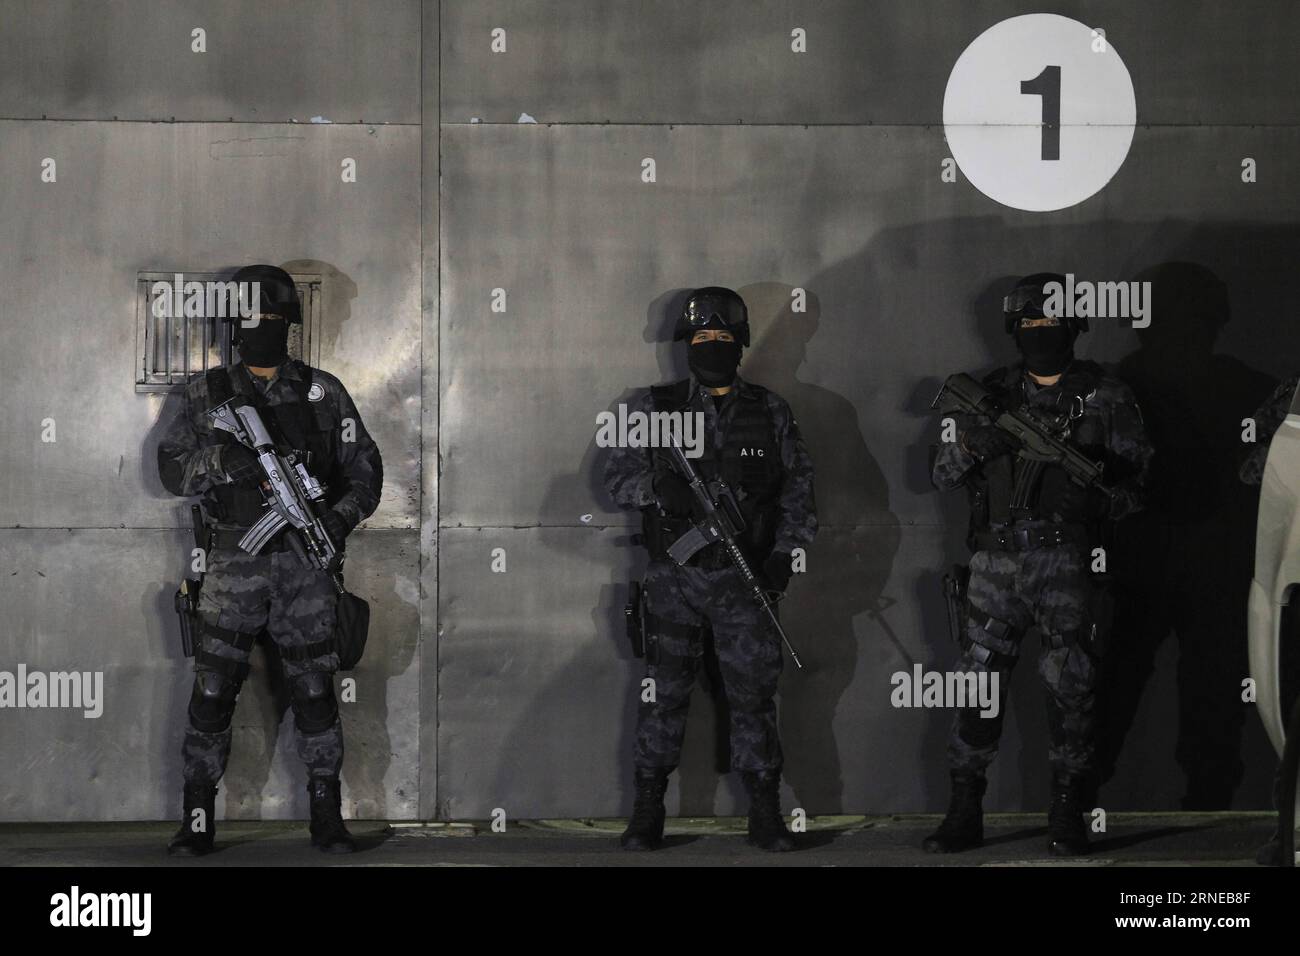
(1268, 419)
(1031, 531)
(752, 441)
(307, 410)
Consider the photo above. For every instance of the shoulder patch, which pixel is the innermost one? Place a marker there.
(316, 392)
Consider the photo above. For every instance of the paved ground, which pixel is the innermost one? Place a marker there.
(1196, 839)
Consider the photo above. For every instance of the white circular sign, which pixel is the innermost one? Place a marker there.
(1039, 112)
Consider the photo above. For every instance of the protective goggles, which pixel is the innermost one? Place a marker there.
(286, 312)
(1030, 299)
(701, 312)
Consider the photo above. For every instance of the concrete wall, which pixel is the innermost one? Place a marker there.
(775, 171)
(168, 159)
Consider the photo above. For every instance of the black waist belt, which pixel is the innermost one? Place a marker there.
(227, 539)
(1030, 539)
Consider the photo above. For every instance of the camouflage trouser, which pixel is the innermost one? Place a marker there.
(679, 602)
(295, 604)
(1048, 588)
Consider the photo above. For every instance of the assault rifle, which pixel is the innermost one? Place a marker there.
(720, 524)
(1034, 435)
(291, 493)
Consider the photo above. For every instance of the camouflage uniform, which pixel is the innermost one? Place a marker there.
(1047, 586)
(708, 591)
(1268, 419)
(243, 594)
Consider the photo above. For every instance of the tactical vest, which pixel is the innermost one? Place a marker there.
(1010, 488)
(299, 426)
(749, 462)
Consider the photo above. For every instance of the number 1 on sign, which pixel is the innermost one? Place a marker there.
(1048, 85)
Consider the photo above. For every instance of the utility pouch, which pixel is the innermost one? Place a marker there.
(632, 615)
(954, 593)
(186, 598)
(351, 629)
(187, 609)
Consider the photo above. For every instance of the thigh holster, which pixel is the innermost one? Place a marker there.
(987, 639)
(659, 627)
(235, 670)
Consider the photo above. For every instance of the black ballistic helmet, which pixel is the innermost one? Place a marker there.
(1028, 299)
(714, 307)
(278, 295)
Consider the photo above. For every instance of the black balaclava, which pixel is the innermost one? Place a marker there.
(1047, 349)
(713, 308)
(265, 344)
(714, 362)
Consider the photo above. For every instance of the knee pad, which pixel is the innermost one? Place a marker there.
(314, 706)
(978, 731)
(212, 703)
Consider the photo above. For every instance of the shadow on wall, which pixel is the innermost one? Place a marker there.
(261, 713)
(338, 292)
(874, 367)
(1198, 389)
(1185, 564)
(889, 362)
(850, 561)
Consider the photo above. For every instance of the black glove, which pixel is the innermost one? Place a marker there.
(673, 493)
(336, 526)
(987, 441)
(241, 465)
(778, 569)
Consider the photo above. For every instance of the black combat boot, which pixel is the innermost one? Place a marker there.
(189, 840)
(328, 834)
(767, 829)
(1065, 827)
(963, 827)
(645, 831)
(1270, 854)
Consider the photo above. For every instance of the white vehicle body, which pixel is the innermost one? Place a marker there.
(1277, 572)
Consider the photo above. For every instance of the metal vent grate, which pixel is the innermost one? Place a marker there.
(169, 349)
